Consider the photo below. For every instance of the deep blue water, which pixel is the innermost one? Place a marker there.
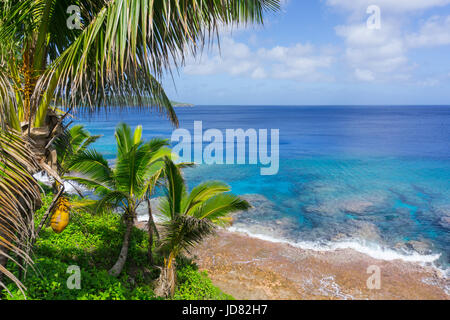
(376, 176)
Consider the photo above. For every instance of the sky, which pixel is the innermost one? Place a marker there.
(327, 52)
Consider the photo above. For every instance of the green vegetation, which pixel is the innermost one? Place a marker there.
(181, 104)
(193, 285)
(92, 242)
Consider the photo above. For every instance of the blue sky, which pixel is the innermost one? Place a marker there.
(317, 52)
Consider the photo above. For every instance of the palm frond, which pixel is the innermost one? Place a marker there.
(124, 139)
(94, 166)
(8, 102)
(175, 189)
(189, 218)
(127, 45)
(183, 232)
(19, 193)
(219, 207)
(71, 143)
(111, 200)
(136, 160)
(99, 187)
(202, 193)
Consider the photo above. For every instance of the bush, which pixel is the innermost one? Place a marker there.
(195, 285)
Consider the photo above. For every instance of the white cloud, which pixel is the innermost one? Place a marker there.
(299, 62)
(259, 73)
(434, 32)
(374, 54)
(388, 6)
(383, 54)
(364, 75)
(429, 82)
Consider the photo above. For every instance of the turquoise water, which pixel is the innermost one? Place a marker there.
(373, 178)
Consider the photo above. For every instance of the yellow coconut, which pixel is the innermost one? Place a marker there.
(60, 217)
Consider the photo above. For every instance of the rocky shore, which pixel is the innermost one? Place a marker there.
(250, 268)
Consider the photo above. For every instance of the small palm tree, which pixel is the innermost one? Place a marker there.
(70, 144)
(126, 185)
(190, 217)
(153, 183)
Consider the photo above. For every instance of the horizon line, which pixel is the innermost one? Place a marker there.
(323, 105)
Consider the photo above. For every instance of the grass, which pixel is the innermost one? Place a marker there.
(92, 243)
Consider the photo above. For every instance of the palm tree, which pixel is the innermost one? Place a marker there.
(190, 217)
(153, 183)
(126, 185)
(116, 57)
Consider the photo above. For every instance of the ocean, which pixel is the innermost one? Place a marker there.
(372, 178)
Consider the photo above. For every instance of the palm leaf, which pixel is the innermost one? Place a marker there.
(111, 200)
(184, 232)
(124, 139)
(94, 166)
(70, 144)
(175, 189)
(8, 102)
(220, 206)
(19, 193)
(202, 193)
(98, 186)
(126, 46)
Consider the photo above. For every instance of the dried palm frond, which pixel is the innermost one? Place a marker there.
(19, 193)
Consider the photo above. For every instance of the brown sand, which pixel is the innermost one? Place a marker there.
(250, 268)
(254, 269)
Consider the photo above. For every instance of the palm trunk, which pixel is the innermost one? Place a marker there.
(167, 279)
(43, 137)
(151, 227)
(150, 245)
(120, 263)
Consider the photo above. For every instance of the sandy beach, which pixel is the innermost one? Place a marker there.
(250, 268)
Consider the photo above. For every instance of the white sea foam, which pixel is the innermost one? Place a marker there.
(144, 218)
(142, 212)
(329, 287)
(45, 179)
(370, 249)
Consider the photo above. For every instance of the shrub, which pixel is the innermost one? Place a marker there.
(195, 285)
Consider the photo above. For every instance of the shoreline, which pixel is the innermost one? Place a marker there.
(249, 268)
(372, 250)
